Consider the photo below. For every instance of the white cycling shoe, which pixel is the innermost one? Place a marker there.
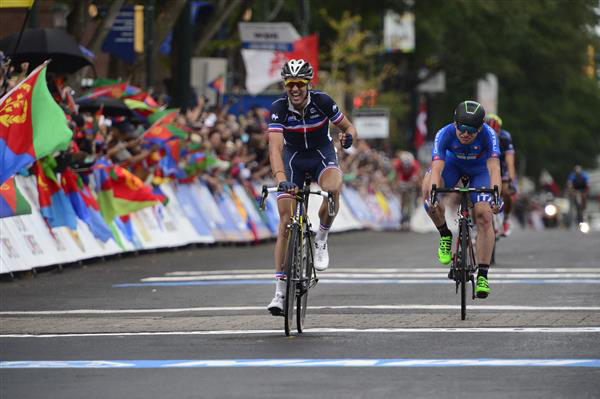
(321, 256)
(276, 305)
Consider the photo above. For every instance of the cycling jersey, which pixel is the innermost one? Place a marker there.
(309, 129)
(447, 146)
(406, 175)
(579, 181)
(506, 147)
(466, 159)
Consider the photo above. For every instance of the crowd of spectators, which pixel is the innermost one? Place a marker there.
(231, 146)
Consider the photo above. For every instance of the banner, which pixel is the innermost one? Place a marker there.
(193, 214)
(263, 67)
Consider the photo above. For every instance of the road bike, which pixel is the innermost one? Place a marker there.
(464, 264)
(298, 264)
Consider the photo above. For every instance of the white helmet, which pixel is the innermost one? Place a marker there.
(298, 69)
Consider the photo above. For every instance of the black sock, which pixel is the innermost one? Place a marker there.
(444, 230)
(483, 270)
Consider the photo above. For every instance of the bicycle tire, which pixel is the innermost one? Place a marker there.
(306, 274)
(464, 248)
(291, 263)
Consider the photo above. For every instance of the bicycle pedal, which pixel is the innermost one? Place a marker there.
(276, 312)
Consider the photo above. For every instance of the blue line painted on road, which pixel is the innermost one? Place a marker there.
(352, 281)
(403, 362)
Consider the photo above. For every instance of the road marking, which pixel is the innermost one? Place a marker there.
(395, 270)
(351, 281)
(439, 274)
(561, 330)
(325, 307)
(403, 362)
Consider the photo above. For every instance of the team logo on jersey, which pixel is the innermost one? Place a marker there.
(274, 117)
(291, 118)
(475, 147)
(334, 108)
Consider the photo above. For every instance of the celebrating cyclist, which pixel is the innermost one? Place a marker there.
(467, 147)
(507, 167)
(300, 144)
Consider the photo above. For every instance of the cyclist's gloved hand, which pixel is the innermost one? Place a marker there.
(346, 139)
(287, 186)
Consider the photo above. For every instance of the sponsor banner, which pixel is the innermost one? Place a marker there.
(251, 207)
(192, 215)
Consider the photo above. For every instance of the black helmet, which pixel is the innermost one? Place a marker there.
(469, 113)
(297, 69)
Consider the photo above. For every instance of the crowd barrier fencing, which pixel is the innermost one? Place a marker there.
(193, 215)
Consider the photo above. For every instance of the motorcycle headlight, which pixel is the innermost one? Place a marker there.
(550, 210)
(584, 227)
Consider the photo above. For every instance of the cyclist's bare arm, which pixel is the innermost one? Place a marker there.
(437, 167)
(510, 164)
(347, 127)
(493, 165)
(275, 156)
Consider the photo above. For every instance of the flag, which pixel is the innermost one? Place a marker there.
(120, 192)
(12, 202)
(263, 66)
(16, 3)
(85, 205)
(218, 84)
(116, 90)
(54, 204)
(32, 124)
(421, 124)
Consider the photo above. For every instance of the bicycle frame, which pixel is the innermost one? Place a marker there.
(301, 275)
(464, 264)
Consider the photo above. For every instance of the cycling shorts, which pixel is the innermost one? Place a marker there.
(478, 174)
(298, 163)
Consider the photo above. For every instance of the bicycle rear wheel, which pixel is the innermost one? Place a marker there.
(291, 268)
(306, 277)
(463, 268)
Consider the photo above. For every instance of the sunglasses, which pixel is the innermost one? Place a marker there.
(300, 83)
(467, 129)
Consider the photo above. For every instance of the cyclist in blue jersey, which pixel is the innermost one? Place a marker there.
(507, 167)
(300, 144)
(467, 147)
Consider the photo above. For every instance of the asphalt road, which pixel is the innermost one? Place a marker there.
(384, 322)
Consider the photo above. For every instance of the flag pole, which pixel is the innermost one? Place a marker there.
(14, 52)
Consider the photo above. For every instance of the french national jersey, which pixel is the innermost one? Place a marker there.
(447, 147)
(309, 129)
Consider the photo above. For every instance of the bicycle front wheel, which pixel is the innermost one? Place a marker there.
(463, 272)
(291, 268)
(306, 277)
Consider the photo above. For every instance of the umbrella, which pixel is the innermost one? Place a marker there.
(111, 106)
(38, 45)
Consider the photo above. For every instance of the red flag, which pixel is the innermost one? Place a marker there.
(421, 124)
(114, 91)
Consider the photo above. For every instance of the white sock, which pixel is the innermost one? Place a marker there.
(322, 233)
(279, 287)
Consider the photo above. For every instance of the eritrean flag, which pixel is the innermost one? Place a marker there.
(218, 84)
(120, 192)
(85, 205)
(12, 202)
(54, 204)
(32, 125)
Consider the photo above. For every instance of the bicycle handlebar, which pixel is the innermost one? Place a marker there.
(434, 190)
(266, 190)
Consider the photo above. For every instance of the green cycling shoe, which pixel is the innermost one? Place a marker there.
(483, 288)
(445, 250)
